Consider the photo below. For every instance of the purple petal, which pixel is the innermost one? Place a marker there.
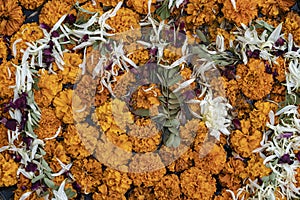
(85, 38)
(286, 135)
(27, 141)
(47, 52)
(298, 156)
(55, 34)
(45, 26)
(36, 185)
(31, 167)
(279, 42)
(237, 124)
(76, 186)
(285, 158)
(70, 19)
(11, 124)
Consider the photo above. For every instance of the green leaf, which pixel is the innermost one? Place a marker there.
(176, 141)
(174, 130)
(163, 12)
(142, 112)
(37, 178)
(172, 123)
(70, 193)
(170, 140)
(202, 36)
(49, 183)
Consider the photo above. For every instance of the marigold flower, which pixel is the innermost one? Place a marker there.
(11, 17)
(7, 76)
(139, 56)
(143, 193)
(256, 168)
(49, 86)
(168, 188)
(78, 145)
(52, 11)
(88, 173)
(108, 3)
(246, 140)
(214, 161)
(259, 116)
(28, 33)
(201, 11)
(63, 106)
(144, 99)
(253, 80)
(31, 5)
(125, 20)
(280, 69)
(71, 70)
(274, 7)
(143, 172)
(292, 25)
(141, 6)
(184, 158)
(144, 136)
(3, 49)
(278, 93)
(104, 193)
(116, 181)
(48, 124)
(197, 184)
(245, 11)
(8, 170)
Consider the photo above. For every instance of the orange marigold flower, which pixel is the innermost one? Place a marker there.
(259, 116)
(48, 124)
(31, 5)
(49, 86)
(292, 25)
(182, 162)
(11, 17)
(212, 162)
(245, 11)
(7, 77)
(144, 99)
(256, 168)
(143, 193)
(108, 3)
(278, 93)
(87, 173)
(141, 6)
(63, 106)
(71, 70)
(28, 33)
(8, 170)
(275, 7)
(116, 181)
(112, 155)
(3, 49)
(246, 140)
(139, 56)
(104, 193)
(3, 136)
(201, 12)
(197, 184)
(53, 10)
(280, 68)
(125, 20)
(144, 136)
(142, 167)
(80, 144)
(168, 188)
(253, 80)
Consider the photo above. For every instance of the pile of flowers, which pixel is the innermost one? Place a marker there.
(150, 99)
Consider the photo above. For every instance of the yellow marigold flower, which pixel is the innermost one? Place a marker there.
(125, 20)
(144, 136)
(116, 181)
(197, 184)
(71, 68)
(121, 86)
(7, 77)
(28, 33)
(292, 25)
(275, 7)
(80, 142)
(256, 168)
(201, 12)
(101, 96)
(11, 17)
(3, 136)
(168, 188)
(3, 49)
(119, 138)
(144, 99)
(141, 6)
(201, 136)
(254, 82)
(111, 155)
(87, 173)
(280, 68)
(8, 170)
(171, 54)
(90, 7)
(214, 161)
(31, 5)
(183, 161)
(63, 106)
(48, 124)
(49, 86)
(245, 11)
(259, 116)
(53, 10)
(143, 193)
(246, 140)
(142, 167)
